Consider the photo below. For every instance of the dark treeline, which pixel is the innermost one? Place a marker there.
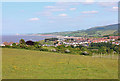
(30, 45)
(51, 39)
(105, 47)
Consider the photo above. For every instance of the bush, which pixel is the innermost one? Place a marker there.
(14, 45)
(85, 53)
(53, 50)
(22, 46)
(37, 46)
(67, 51)
(43, 49)
(8, 46)
(60, 48)
(30, 47)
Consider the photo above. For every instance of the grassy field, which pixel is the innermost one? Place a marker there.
(28, 64)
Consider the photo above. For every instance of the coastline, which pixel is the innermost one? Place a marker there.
(16, 38)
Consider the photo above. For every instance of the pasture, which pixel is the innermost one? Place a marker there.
(30, 64)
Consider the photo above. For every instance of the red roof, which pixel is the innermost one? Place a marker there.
(6, 43)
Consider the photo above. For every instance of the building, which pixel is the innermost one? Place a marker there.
(114, 37)
(7, 43)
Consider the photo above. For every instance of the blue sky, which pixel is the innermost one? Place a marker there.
(45, 17)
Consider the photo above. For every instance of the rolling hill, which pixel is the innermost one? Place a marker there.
(94, 31)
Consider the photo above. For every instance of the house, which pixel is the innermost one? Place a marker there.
(10, 43)
(2, 45)
(7, 43)
(114, 37)
(17, 43)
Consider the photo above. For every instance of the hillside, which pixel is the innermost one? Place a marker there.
(29, 64)
(94, 31)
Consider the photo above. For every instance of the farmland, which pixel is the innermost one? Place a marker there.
(31, 64)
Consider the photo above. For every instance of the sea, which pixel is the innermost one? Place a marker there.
(16, 38)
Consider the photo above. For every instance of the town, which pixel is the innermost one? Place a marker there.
(59, 40)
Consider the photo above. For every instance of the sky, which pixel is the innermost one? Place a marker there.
(47, 17)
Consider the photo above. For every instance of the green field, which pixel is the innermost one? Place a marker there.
(30, 64)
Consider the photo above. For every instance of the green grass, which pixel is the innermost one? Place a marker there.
(30, 64)
(49, 48)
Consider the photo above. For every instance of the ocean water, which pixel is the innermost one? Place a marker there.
(16, 38)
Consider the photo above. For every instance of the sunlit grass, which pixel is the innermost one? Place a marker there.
(30, 64)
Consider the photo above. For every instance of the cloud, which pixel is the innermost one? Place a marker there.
(72, 9)
(55, 8)
(51, 21)
(90, 12)
(63, 15)
(115, 8)
(34, 19)
(67, 3)
(87, 2)
(105, 4)
(49, 6)
(62, 6)
(47, 13)
(58, 9)
(44, 13)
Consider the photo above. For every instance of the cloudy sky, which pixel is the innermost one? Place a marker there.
(45, 17)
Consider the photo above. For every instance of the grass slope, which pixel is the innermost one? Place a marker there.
(28, 64)
(94, 31)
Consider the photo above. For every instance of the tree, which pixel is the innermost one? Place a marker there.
(111, 51)
(8, 46)
(37, 45)
(22, 41)
(119, 49)
(22, 46)
(102, 50)
(56, 42)
(60, 48)
(83, 49)
(80, 46)
(72, 46)
(14, 45)
(118, 38)
(30, 47)
(51, 39)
